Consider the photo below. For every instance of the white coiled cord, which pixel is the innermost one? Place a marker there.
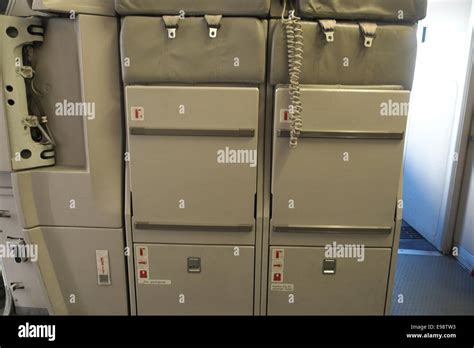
(295, 47)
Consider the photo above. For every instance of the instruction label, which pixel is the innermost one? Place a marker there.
(143, 269)
(278, 265)
(103, 267)
(137, 113)
(285, 116)
(283, 287)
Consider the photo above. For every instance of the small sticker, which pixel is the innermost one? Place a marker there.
(143, 252)
(283, 287)
(103, 267)
(154, 282)
(143, 274)
(285, 116)
(138, 113)
(277, 277)
(143, 265)
(278, 254)
(277, 266)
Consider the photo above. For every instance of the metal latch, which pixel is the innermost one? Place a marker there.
(194, 265)
(17, 286)
(329, 267)
(42, 125)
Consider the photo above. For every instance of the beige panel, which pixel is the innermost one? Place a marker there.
(353, 196)
(380, 10)
(224, 285)
(390, 60)
(91, 155)
(237, 8)
(99, 7)
(5, 180)
(75, 268)
(356, 288)
(166, 169)
(9, 219)
(24, 273)
(236, 55)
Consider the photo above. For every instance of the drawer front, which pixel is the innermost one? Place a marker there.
(309, 281)
(194, 280)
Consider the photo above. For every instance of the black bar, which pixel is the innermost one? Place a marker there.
(333, 229)
(239, 133)
(277, 331)
(344, 135)
(193, 228)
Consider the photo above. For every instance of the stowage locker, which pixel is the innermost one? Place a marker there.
(194, 280)
(343, 177)
(304, 281)
(193, 158)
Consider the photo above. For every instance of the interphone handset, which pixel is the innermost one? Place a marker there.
(295, 50)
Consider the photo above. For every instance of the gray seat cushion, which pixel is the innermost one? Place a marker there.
(253, 8)
(390, 60)
(377, 10)
(236, 55)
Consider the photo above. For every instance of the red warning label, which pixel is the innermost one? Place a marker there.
(277, 277)
(143, 274)
(138, 113)
(278, 265)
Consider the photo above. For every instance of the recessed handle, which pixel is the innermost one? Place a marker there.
(5, 214)
(329, 267)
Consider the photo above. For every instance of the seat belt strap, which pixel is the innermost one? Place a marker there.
(369, 31)
(329, 28)
(214, 23)
(171, 24)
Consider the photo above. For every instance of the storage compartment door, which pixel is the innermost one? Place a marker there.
(193, 158)
(345, 173)
(194, 280)
(310, 283)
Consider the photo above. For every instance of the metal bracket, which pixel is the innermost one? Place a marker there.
(25, 151)
(26, 72)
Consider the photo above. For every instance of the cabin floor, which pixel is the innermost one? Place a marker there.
(429, 283)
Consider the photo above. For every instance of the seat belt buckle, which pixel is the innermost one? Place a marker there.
(171, 24)
(172, 32)
(213, 31)
(329, 35)
(214, 24)
(328, 27)
(369, 40)
(369, 32)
